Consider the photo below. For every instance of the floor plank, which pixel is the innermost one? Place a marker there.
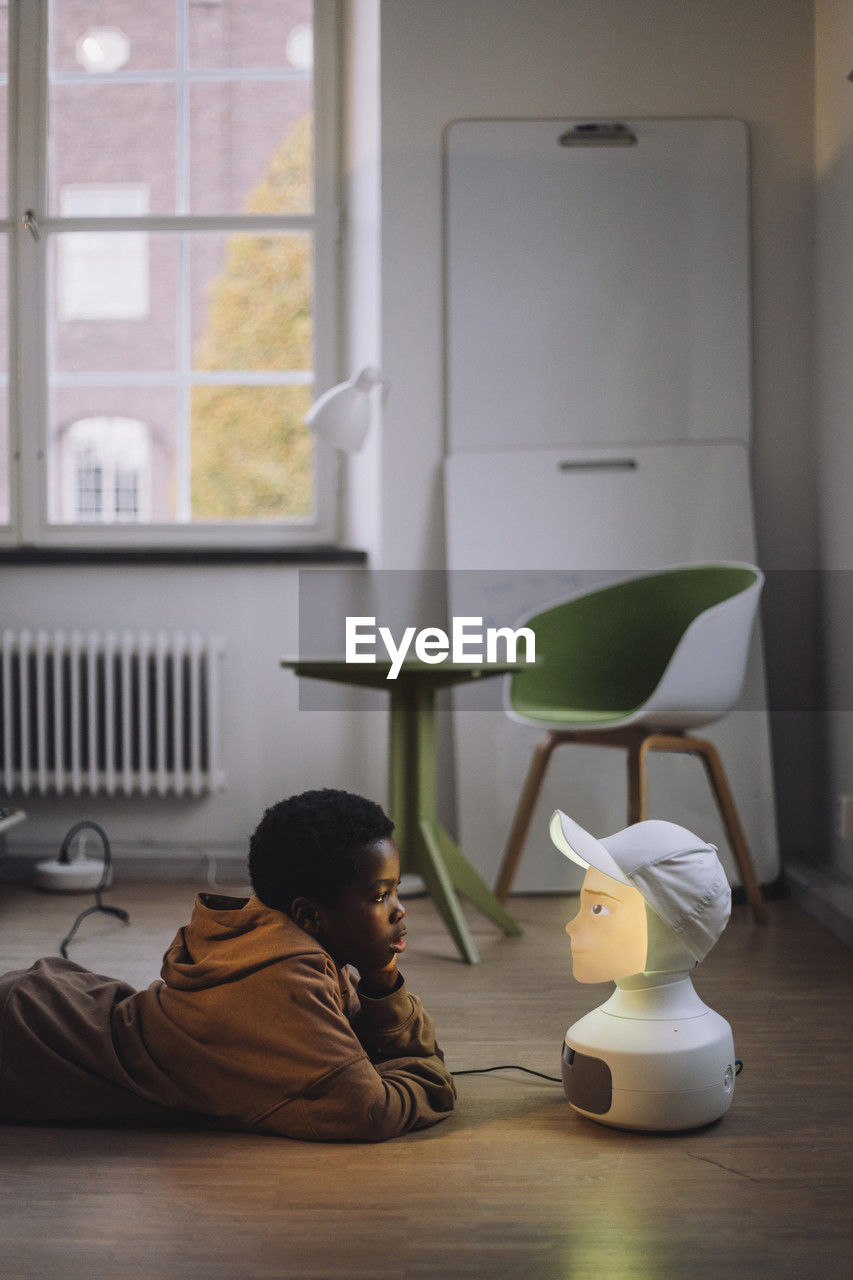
(514, 1184)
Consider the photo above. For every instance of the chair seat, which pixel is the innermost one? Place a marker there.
(572, 717)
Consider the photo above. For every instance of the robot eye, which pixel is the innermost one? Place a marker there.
(599, 909)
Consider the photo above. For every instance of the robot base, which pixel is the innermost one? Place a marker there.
(626, 1065)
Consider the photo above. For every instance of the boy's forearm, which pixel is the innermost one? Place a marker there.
(398, 1036)
(394, 1024)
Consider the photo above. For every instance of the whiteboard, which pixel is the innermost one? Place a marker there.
(614, 508)
(597, 422)
(526, 527)
(596, 294)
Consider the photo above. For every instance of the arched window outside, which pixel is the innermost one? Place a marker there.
(106, 471)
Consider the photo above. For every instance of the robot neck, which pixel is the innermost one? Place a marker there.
(655, 996)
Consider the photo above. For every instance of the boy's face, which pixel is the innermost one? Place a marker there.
(609, 933)
(365, 926)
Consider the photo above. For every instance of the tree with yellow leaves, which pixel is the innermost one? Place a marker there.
(252, 456)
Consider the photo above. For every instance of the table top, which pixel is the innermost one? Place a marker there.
(412, 671)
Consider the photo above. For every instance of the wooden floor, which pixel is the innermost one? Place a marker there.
(514, 1184)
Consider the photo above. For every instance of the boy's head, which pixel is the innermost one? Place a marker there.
(311, 846)
(326, 859)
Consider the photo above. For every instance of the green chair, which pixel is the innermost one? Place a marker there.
(636, 664)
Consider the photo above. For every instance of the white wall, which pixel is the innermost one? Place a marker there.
(473, 58)
(834, 192)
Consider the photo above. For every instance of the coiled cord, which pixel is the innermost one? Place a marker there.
(65, 856)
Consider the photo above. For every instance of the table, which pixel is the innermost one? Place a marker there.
(426, 848)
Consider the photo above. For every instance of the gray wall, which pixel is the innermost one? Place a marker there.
(440, 61)
(271, 748)
(481, 58)
(834, 385)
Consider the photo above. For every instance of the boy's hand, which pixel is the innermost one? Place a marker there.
(376, 983)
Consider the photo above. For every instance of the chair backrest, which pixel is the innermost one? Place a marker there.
(667, 649)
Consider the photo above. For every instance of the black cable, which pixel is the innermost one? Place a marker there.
(479, 1071)
(65, 856)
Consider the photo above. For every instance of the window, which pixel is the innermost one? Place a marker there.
(169, 241)
(103, 275)
(107, 472)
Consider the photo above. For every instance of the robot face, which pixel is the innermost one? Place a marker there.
(609, 933)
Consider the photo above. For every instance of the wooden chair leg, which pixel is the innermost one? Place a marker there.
(524, 815)
(728, 811)
(637, 788)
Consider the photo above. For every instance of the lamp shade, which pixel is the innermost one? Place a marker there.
(342, 414)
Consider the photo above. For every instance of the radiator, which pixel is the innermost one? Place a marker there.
(110, 714)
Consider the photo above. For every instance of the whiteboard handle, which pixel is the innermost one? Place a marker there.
(598, 464)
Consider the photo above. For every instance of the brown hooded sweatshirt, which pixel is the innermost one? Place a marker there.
(252, 1024)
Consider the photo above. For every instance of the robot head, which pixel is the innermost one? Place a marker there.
(655, 899)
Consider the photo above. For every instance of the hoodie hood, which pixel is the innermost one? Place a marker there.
(228, 939)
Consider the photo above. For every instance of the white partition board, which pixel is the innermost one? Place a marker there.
(525, 527)
(596, 294)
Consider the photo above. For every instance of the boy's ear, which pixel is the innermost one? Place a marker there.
(306, 915)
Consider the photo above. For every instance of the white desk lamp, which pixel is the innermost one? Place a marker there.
(654, 901)
(342, 414)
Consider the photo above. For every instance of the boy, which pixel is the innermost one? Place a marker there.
(255, 1022)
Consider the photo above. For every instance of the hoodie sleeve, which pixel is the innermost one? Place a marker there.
(395, 1025)
(376, 1079)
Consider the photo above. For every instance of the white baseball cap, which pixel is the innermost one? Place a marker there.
(679, 876)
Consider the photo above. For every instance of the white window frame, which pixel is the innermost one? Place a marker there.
(28, 391)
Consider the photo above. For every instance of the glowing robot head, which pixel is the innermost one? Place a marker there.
(655, 899)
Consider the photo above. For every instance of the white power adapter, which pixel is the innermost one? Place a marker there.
(71, 871)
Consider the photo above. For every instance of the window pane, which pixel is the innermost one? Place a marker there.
(251, 34)
(202, 100)
(204, 340)
(106, 440)
(252, 455)
(113, 134)
(251, 148)
(251, 301)
(110, 37)
(251, 87)
(113, 302)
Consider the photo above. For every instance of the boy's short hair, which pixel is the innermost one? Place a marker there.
(308, 846)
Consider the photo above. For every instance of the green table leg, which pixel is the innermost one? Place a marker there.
(402, 774)
(467, 882)
(431, 867)
(443, 867)
(412, 803)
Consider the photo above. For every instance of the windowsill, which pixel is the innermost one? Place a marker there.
(319, 554)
